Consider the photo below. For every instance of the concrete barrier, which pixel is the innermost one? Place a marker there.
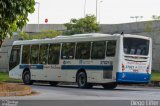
(146, 28)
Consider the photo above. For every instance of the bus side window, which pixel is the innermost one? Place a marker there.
(34, 54)
(83, 50)
(14, 57)
(68, 50)
(43, 54)
(26, 54)
(98, 50)
(54, 51)
(111, 48)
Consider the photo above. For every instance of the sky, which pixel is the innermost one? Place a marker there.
(108, 11)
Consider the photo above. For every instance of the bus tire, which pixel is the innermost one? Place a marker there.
(82, 80)
(27, 78)
(53, 83)
(111, 85)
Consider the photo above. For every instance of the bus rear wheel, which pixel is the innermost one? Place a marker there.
(111, 85)
(82, 80)
(27, 78)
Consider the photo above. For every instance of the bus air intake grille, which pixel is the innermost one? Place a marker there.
(107, 74)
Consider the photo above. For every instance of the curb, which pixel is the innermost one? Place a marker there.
(155, 83)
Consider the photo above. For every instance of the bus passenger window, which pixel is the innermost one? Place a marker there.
(125, 50)
(54, 51)
(98, 50)
(111, 48)
(83, 50)
(132, 51)
(136, 46)
(34, 54)
(68, 50)
(43, 55)
(26, 54)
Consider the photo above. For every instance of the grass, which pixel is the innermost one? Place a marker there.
(4, 77)
(155, 76)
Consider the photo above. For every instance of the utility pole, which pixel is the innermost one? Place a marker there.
(84, 8)
(38, 14)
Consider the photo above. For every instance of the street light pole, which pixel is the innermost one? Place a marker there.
(96, 9)
(84, 8)
(100, 11)
(136, 18)
(38, 14)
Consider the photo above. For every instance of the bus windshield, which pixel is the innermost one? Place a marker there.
(135, 46)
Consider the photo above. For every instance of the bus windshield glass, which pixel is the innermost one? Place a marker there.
(136, 46)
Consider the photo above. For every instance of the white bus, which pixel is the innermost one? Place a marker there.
(86, 59)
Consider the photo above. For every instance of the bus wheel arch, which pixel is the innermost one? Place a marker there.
(26, 77)
(80, 70)
(81, 79)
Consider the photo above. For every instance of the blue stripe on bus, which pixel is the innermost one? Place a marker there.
(35, 66)
(88, 67)
(70, 67)
(131, 77)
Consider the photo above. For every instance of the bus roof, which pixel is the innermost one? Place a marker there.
(76, 37)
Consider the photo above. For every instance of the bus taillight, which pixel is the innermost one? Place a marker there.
(147, 70)
(123, 67)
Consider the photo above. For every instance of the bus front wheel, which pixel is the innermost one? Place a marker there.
(82, 80)
(27, 78)
(109, 85)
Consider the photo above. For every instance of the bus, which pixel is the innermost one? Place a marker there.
(85, 59)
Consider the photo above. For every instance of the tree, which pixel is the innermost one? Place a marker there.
(14, 15)
(87, 24)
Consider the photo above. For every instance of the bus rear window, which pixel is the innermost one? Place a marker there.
(135, 46)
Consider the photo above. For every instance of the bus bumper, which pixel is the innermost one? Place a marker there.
(130, 77)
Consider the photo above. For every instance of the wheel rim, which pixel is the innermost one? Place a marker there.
(82, 80)
(27, 78)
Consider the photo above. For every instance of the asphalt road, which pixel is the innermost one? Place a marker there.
(68, 92)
